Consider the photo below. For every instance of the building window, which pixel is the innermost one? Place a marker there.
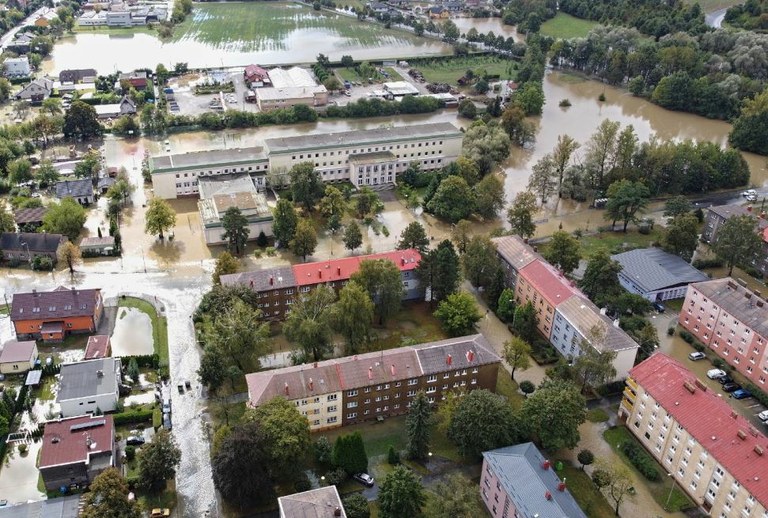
(331, 397)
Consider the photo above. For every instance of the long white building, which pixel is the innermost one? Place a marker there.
(367, 157)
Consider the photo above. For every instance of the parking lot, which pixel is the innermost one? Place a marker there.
(190, 103)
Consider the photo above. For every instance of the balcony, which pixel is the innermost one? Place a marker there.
(628, 394)
(631, 383)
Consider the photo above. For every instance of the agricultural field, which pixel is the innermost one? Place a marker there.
(451, 69)
(566, 26)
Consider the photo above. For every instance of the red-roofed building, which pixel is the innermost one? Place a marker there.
(543, 286)
(714, 454)
(256, 77)
(76, 450)
(98, 346)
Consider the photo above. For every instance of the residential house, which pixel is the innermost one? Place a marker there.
(80, 190)
(21, 43)
(518, 481)
(36, 91)
(75, 450)
(454, 7)
(60, 507)
(94, 246)
(98, 346)
(714, 454)
(53, 315)
(438, 11)
(18, 357)
(716, 216)
(732, 321)
(27, 246)
(45, 18)
(104, 183)
(137, 79)
(126, 106)
(323, 502)
(279, 287)
(78, 75)
(29, 220)
(17, 67)
(655, 274)
(89, 386)
(352, 389)
(379, 7)
(256, 77)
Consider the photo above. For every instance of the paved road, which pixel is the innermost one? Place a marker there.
(29, 20)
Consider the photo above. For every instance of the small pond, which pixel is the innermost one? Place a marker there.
(133, 333)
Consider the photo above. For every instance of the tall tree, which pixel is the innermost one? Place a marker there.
(486, 145)
(601, 152)
(7, 224)
(461, 234)
(285, 221)
(356, 506)
(413, 236)
(554, 412)
(520, 214)
(309, 322)
(505, 306)
(235, 229)
(458, 314)
(467, 169)
(349, 453)
(381, 279)
(480, 261)
(81, 121)
(439, 271)
(682, 237)
(306, 185)
(353, 237)
(489, 196)
(47, 174)
(368, 202)
(19, 171)
(160, 217)
(601, 278)
(107, 497)
(352, 316)
(563, 251)
(625, 199)
(158, 461)
(453, 200)
(417, 427)
(66, 217)
(225, 264)
(525, 322)
(618, 481)
(304, 239)
(737, 241)
(333, 203)
(517, 354)
(401, 494)
(69, 254)
(481, 421)
(561, 158)
(240, 335)
(677, 206)
(456, 498)
(543, 181)
(592, 367)
(286, 433)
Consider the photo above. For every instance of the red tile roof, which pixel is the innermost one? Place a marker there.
(65, 440)
(97, 347)
(550, 283)
(342, 269)
(709, 419)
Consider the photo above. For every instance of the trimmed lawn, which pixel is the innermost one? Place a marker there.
(159, 325)
(449, 70)
(584, 491)
(350, 74)
(566, 26)
(507, 387)
(679, 501)
(614, 242)
(713, 5)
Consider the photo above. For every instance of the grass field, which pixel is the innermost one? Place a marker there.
(254, 26)
(350, 74)
(450, 70)
(566, 26)
(613, 241)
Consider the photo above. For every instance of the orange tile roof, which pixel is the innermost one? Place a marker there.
(551, 284)
(342, 269)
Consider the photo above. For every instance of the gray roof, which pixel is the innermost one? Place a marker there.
(36, 242)
(34, 215)
(202, 159)
(654, 269)
(34, 377)
(732, 298)
(82, 379)
(74, 188)
(514, 251)
(64, 507)
(433, 356)
(359, 137)
(316, 503)
(259, 280)
(520, 470)
(585, 316)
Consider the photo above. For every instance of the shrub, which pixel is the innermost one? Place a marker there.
(23, 448)
(335, 477)
(323, 450)
(393, 457)
(671, 331)
(302, 483)
(527, 387)
(698, 346)
(707, 263)
(130, 453)
(132, 417)
(757, 393)
(686, 336)
(641, 460)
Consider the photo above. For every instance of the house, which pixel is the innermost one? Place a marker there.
(29, 220)
(324, 502)
(716, 216)
(45, 18)
(379, 7)
(78, 75)
(352, 389)
(21, 43)
(53, 315)
(104, 183)
(17, 67)
(439, 11)
(89, 386)
(60, 507)
(714, 454)
(26, 246)
(518, 481)
(98, 346)
(80, 190)
(137, 79)
(218, 194)
(274, 98)
(256, 77)
(732, 321)
(278, 287)
(18, 357)
(36, 91)
(76, 450)
(126, 106)
(655, 274)
(94, 246)
(454, 7)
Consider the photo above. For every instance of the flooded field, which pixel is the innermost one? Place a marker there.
(486, 25)
(133, 333)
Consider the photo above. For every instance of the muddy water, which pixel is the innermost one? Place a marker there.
(18, 478)
(486, 25)
(133, 333)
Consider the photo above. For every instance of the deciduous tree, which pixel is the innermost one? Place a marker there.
(286, 433)
(682, 237)
(601, 278)
(46, 174)
(458, 314)
(601, 152)
(561, 158)
(81, 121)
(453, 200)
(520, 214)
(737, 241)
(158, 461)
(160, 217)
(461, 234)
(304, 239)
(19, 171)
(66, 217)
(352, 316)
(483, 421)
(592, 367)
(505, 306)
(401, 494)
(7, 224)
(368, 202)
(517, 354)
(333, 203)
(563, 252)
(480, 261)
(585, 458)
(413, 236)
(285, 221)
(381, 279)
(543, 179)
(489, 196)
(554, 412)
(309, 322)
(225, 264)
(306, 185)
(617, 481)
(107, 497)
(677, 206)
(69, 254)
(236, 229)
(353, 237)
(486, 145)
(456, 498)
(356, 506)
(625, 199)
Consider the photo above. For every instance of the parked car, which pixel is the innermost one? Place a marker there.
(714, 374)
(167, 406)
(763, 416)
(731, 387)
(725, 379)
(741, 394)
(658, 306)
(695, 356)
(167, 424)
(160, 513)
(135, 440)
(364, 478)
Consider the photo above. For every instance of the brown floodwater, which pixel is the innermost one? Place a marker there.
(486, 25)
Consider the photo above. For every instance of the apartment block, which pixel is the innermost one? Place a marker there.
(543, 286)
(732, 321)
(716, 216)
(377, 385)
(514, 254)
(278, 287)
(713, 453)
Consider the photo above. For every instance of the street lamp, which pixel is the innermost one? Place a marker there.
(671, 487)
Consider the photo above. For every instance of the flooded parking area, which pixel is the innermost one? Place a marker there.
(133, 333)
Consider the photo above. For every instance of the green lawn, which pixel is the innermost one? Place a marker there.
(507, 387)
(713, 5)
(4, 309)
(350, 74)
(255, 26)
(597, 415)
(413, 324)
(613, 242)
(566, 26)
(449, 70)
(586, 494)
(660, 490)
(159, 325)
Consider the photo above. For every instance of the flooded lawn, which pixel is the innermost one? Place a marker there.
(19, 474)
(133, 333)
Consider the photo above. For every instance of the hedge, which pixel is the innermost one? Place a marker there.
(757, 393)
(641, 460)
(157, 418)
(132, 416)
(151, 361)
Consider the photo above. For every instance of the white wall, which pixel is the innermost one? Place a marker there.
(80, 406)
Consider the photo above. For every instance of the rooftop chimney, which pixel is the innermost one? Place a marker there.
(338, 270)
(320, 273)
(616, 323)
(286, 388)
(370, 373)
(392, 369)
(100, 373)
(402, 261)
(734, 415)
(758, 449)
(741, 434)
(250, 283)
(311, 384)
(548, 495)
(448, 360)
(603, 311)
(470, 356)
(701, 385)
(271, 280)
(545, 465)
(689, 387)
(561, 486)
(337, 511)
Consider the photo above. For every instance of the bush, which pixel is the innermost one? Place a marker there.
(757, 393)
(130, 453)
(707, 263)
(323, 450)
(671, 331)
(23, 448)
(302, 483)
(335, 477)
(132, 417)
(641, 460)
(686, 336)
(42, 264)
(157, 418)
(393, 456)
(527, 387)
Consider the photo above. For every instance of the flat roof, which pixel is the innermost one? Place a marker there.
(289, 92)
(738, 301)
(291, 77)
(654, 269)
(211, 157)
(88, 378)
(361, 137)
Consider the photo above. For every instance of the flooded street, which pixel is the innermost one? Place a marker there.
(133, 333)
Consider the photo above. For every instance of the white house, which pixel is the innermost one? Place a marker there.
(17, 67)
(18, 357)
(36, 91)
(88, 386)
